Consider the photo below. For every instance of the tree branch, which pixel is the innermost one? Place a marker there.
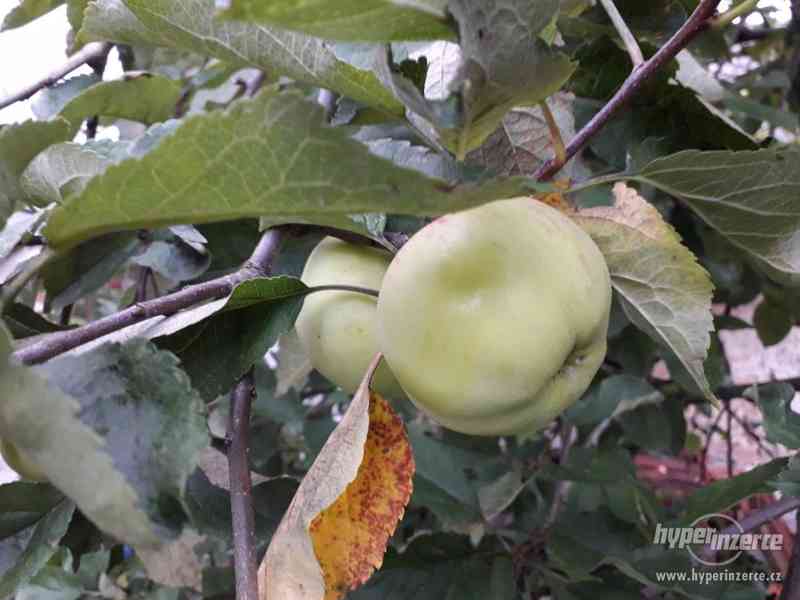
(90, 52)
(244, 543)
(631, 45)
(258, 265)
(756, 519)
(694, 25)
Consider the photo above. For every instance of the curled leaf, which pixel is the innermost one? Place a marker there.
(335, 531)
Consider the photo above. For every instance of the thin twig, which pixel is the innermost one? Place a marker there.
(693, 26)
(563, 487)
(88, 53)
(259, 264)
(741, 9)
(729, 440)
(631, 45)
(242, 514)
(555, 133)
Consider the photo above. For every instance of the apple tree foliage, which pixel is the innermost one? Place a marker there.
(367, 118)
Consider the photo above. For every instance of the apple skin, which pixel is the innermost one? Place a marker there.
(336, 328)
(494, 319)
(26, 469)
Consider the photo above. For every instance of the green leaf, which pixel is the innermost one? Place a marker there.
(145, 407)
(156, 99)
(47, 103)
(19, 225)
(781, 423)
(440, 566)
(41, 546)
(656, 427)
(219, 349)
(27, 11)
(191, 25)
(612, 397)
(747, 196)
(271, 155)
(61, 170)
(773, 322)
(151, 419)
(19, 144)
(719, 496)
(350, 20)
(210, 506)
(660, 285)
(23, 503)
(43, 423)
(173, 259)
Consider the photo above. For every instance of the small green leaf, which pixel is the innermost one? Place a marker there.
(773, 322)
(27, 11)
(781, 423)
(23, 503)
(219, 349)
(19, 144)
(41, 546)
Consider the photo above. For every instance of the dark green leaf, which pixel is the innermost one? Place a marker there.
(41, 546)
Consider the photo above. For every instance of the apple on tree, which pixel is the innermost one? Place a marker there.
(337, 328)
(493, 320)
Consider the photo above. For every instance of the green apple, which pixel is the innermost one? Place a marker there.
(337, 328)
(494, 320)
(24, 467)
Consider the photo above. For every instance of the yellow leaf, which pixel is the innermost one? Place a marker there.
(335, 531)
(350, 536)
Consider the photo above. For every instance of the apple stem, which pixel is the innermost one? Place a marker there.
(343, 288)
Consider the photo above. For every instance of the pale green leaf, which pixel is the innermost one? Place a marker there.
(155, 100)
(47, 103)
(19, 144)
(661, 287)
(351, 20)
(190, 25)
(59, 170)
(27, 11)
(749, 197)
(43, 422)
(271, 155)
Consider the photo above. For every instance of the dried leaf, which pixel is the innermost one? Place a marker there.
(335, 531)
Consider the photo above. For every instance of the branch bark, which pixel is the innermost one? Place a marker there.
(258, 265)
(696, 23)
(90, 52)
(243, 517)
